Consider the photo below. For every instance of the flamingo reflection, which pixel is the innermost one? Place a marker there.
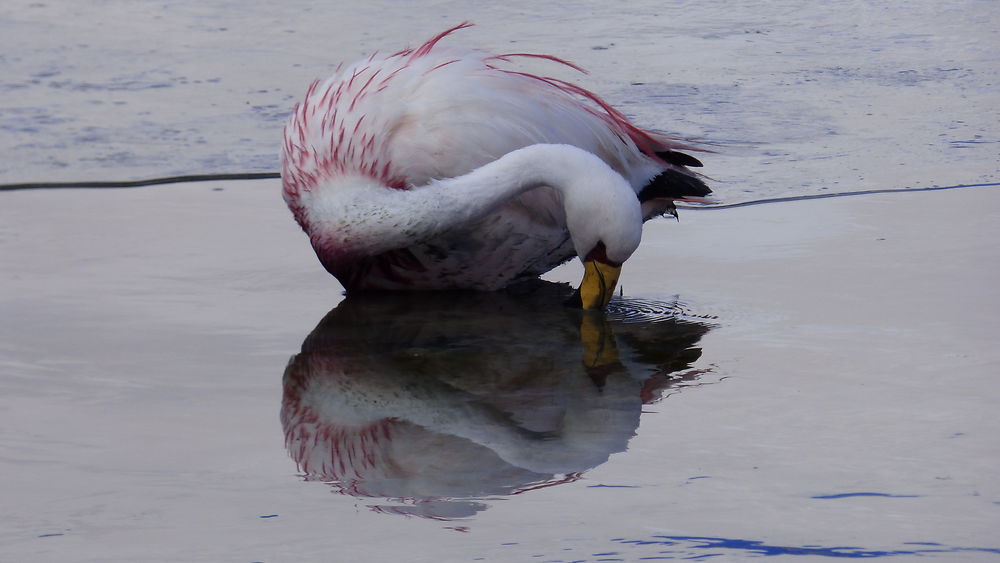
(440, 401)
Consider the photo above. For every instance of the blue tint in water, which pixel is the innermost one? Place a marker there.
(848, 495)
(612, 486)
(683, 546)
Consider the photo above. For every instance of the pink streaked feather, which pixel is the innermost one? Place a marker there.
(427, 46)
(506, 57)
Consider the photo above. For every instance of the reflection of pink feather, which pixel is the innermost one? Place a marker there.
(382, 456)
(341, 454)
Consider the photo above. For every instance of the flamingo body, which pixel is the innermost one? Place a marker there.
(393, 168)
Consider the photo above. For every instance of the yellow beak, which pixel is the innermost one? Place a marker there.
(598, 285)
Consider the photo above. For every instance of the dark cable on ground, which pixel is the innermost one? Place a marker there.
(834, 194)
(141, 183)
(275, 175)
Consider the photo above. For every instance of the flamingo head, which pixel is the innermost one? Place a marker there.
(605, 232)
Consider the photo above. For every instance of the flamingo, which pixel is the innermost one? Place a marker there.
(443, 168)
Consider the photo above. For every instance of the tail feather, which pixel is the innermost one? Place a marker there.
(674, 184)
(679, 159)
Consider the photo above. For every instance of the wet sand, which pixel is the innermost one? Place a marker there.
(845, 403)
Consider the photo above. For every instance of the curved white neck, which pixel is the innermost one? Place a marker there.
(600, 205)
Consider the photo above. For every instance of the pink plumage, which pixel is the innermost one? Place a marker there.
(377, 159)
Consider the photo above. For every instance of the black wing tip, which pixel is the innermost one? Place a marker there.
(679, 159)
(674, 184)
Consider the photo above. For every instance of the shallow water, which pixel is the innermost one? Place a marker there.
(180, 380)
(169, 377)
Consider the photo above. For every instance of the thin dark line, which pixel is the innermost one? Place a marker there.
(837, 194)
(275, 175)
(141, 183)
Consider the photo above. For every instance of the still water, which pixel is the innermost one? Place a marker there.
(205, 393)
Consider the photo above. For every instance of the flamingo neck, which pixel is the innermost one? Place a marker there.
(356, 216)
